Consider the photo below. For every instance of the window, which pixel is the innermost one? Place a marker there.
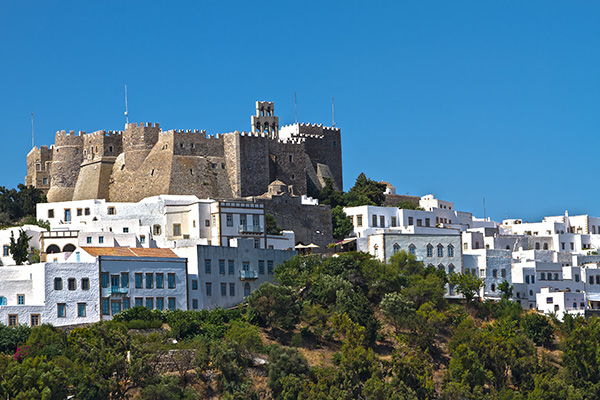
(359, 220)
(171, 283)
(451, 269)
(261, 267)
(138, 281)
(111, 211)
(232, 289)
(207, 266)
(160, 281)
(195, 304)
(440, 251)
(13, 320)
(597, 279)
(176, 229)
(537, 245)
(143, 239)
(396, 248)
(81, 310)
(86, 211)
(246, 289)
(270, 267)
(67, 215)
(429, 250)
(126, 304)
(527, 279)
(44, 181)
(149, 303)
(576, 277)
(410, 221)
(139, 302)
(382, 221)
(157, 230)
(72, 283)
(214, 220)
(494, 273)
(124, 279)
(556, 277)
(419, 222)
(231, 267)
(427, 222)
(57, 283)
(222, 267)
(20, 299)
(572, 246)
(35, 319)
(542, 276)
(376, 251)
(5, 252)
(493, 287)
(125, 229)
(465, 246)
(549, 300)
(194, 284)
(223, 289)
(50, 213)
(394, 221)
(450, 250)
(106, 307)
(101, 239)
(2, 301)
(79, 212)
(532, 278)
(209, 288)
(562, 245)
(61, 310)
(207, 223)
(412, 249)
(256, 243)
(171, 305)
(149, 280)
(115, 307)
(88, 240)
(229, 220)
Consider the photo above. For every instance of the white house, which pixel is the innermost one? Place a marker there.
(550, 301)
(33, 231)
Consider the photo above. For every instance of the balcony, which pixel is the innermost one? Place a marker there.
(250, 229)
(114, 291)
(248, 275)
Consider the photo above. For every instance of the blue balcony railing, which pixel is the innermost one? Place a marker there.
(246, 275)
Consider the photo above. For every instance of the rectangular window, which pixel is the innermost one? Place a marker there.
(208, 288)
(532, 279)
(223, 289)
(231, 267)
(222, 267)
(143, 239)
(20, 299)
(207, 266)
(105, 307)
(572, 246)
(57, 283)
(172, 303)
(527, 279)
(419, 222)
(214, 220)
(427, 222)
(243, 221)
(229, 220)
(124, 279)
(382, 221)
(67, 215)
(576, 277)
(394, 221)
(105, 279)
(255, 221)
(194, 284)
(79, 212)
(88, 240)
(111, 211)
(81, 310)
(35, 319)
(87, 211)
(232, 289)
(562, 245)
(72, 284)
(50, 213)
(270, 267)
(160, 303)
(125, 229)
(101, 239)
(261, 267)
(139, 302)
(207, 223)
(410, 220)
(138, 281)
(176, 229)
(359, 220)
(13, 320)
(150, 303)
(126, 304)
(115, 307)
(160, 281)
(149, 280)
(195, 304)
(5, 252)
(374, 220)
(171, 283)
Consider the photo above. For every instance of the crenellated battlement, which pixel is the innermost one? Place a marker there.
(142, 125)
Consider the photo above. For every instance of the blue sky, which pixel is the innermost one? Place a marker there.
(462, 99)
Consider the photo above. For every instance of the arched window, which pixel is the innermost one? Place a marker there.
(52, 249)
(451, 268)
(246, 289)
(450, 250)
(429, 250)
(262, 111)
(494, 273)
(493, 287)
(440, 250)
(69, 248)
(266, 127)
(503, 272)
(542, 276)
(441, 267)
(412, 249)
(545, 246)
(258, 127)
(396, 248)
(537, 245)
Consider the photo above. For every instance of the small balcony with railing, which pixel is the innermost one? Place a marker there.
(248, 275)
(114, 291)
(251, 229)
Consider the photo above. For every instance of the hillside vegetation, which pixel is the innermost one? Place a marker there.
(347, 327)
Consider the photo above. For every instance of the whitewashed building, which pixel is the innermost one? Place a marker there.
(33, 231)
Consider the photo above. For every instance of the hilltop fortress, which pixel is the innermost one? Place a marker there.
(143, 161)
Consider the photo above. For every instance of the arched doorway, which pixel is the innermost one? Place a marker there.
(69, 248)
(52, 249)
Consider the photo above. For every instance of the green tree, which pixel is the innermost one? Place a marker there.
(271, 225)
(466, 284)
(366, 192)
(284, 363)
(537, 328)
(408, 205)
(397, 310)
(506, 290)
(19, 249)
(342, 225)
(35, 378)
(274, 306)
(16, 204)
(331, 197)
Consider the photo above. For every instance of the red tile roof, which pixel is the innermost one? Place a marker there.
(130, 252)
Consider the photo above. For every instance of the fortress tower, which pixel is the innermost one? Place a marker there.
(138, 141)
(38, 167)
(67, 156)
(265, 120)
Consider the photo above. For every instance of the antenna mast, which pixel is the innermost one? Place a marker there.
(296, 107)
(484, 208)
(332, 112)
(126, 109)
(32, 143)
